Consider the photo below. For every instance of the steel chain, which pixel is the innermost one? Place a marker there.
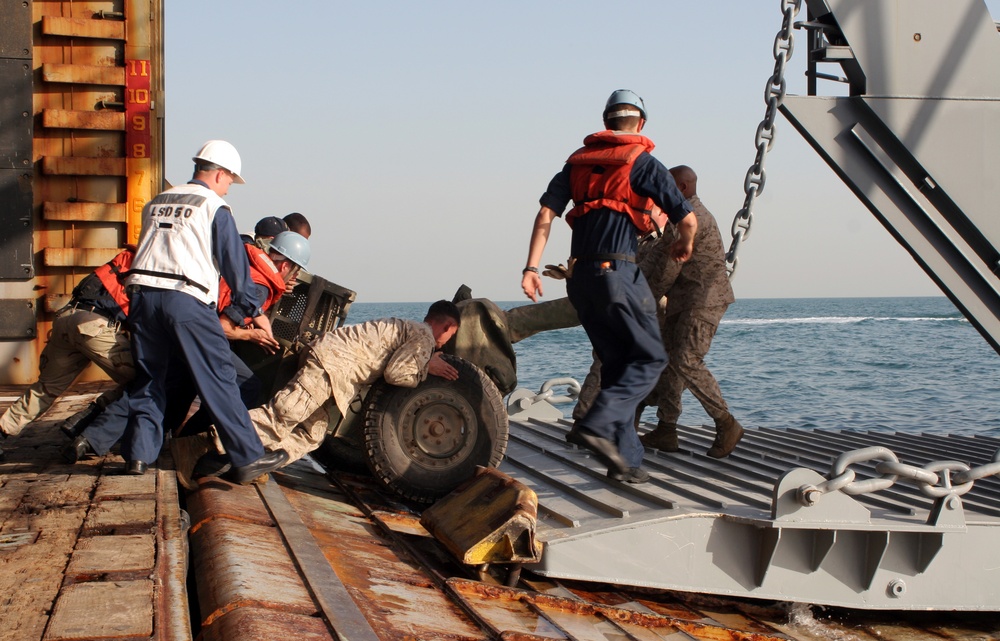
(937, 479)
(947, 487)
(774, 94)
(854, 488)
(547, 393)
(982, 471)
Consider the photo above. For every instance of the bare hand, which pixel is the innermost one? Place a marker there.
(681, 250)
(531, 284)
(439, 367)
(260, 337)
(263, 335)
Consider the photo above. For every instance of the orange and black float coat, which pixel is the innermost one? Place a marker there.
(112, 273)
(599, 177)
(263, 272)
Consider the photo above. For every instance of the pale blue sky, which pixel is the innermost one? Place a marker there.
(418, 136)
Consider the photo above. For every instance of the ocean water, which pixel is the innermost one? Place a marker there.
(889, 364)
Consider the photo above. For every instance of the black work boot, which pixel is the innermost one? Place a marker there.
(77, 450)
(633, 475)
(728, 433)
(663, 438)
(75, 424)
(604, 450)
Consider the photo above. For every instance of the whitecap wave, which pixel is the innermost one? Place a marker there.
(841, 320)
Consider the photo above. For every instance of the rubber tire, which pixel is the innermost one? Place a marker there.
(427, 470)
(339, 453)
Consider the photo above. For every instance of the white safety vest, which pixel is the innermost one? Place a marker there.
(175, 245)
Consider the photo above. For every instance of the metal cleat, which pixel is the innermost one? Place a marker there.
(488, 519)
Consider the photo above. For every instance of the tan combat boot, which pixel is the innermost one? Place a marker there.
(663, 438)
(728, 433)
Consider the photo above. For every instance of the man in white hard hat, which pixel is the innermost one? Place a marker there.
(188, 240)
(614, 183)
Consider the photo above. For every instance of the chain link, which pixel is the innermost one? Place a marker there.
(937, 479)
(774, 94)
(883, 482)
(547, 393)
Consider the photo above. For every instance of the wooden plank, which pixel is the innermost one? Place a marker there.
(77, 166)
(83, 74)
(77, 256)
(103, 610)
(112, 555)
(66, 119)
(127, 516)
(119, 486)
(83, 28)
(85, 212)
(46, 517)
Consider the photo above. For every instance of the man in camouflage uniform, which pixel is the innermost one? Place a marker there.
(340, 362)
(697, 296)
(90, 329)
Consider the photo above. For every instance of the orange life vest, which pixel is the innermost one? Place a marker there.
(113, 272)
(263, 272)
(599, 177)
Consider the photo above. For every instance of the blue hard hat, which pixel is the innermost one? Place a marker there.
(292, 246)
(625, 97)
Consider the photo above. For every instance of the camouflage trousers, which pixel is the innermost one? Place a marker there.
(588, 391)
(687, 337)
(298, 417)
(78, 338)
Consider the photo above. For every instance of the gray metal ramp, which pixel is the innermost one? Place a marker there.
(747, 526)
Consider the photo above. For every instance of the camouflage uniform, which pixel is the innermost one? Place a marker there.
(336, 366)
(698, 297)
(79, 337)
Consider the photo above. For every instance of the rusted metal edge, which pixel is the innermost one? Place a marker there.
(172, 619)
(613, 615)
(345, 619)
(440, 581)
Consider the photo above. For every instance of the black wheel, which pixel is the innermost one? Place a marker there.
(340, 453)
(344, 448)
(422, 442)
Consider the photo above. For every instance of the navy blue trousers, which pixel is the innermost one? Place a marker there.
(171, 331)
(618, 313)
(109, 426)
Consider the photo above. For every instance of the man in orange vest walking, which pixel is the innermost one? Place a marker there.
(90, 329)
(614, 183)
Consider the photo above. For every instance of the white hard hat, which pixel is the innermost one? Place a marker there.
(223, 154)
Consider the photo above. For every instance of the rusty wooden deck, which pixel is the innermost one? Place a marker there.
(86, 553)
